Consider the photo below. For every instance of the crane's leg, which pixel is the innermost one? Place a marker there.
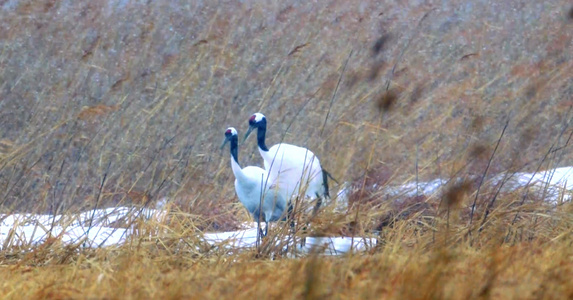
(259, 234)
(266, 228)
(290, 219)
(290, 215)
(317, 205)
(262, 233)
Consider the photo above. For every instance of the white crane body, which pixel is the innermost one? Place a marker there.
(264, 204)
(292, 170)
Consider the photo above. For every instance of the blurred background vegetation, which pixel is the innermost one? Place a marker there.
(137, 94)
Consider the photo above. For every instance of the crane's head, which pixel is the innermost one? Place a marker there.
(230, 134)
(256, 121)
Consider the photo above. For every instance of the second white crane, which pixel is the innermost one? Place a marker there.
(292, 169)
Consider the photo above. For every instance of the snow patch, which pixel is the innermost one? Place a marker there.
(110, 226)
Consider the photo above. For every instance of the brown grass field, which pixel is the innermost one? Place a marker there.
(123, 103)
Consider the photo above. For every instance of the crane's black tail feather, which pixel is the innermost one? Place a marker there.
(325, 176)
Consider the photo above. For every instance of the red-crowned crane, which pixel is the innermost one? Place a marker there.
(250, 187)
(291, 169)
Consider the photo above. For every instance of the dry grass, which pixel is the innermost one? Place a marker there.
(122, 103)
(519, 271)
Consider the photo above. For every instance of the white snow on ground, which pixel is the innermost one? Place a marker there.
(552, 185)
(95, 228)
(92, 228)
(326, 245)
(423, 188)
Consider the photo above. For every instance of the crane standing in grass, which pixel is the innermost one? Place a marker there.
(263, 203)
(292, 170)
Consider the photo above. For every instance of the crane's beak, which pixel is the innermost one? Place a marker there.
(251, 128)
(224, 143)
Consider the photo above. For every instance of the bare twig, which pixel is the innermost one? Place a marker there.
(506, 178)
(487, 168)
(485, 174)
(335, 91)
(98, 197)
(406, 48)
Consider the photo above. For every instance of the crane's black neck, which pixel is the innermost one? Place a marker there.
(235, 148)
(261, 132)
